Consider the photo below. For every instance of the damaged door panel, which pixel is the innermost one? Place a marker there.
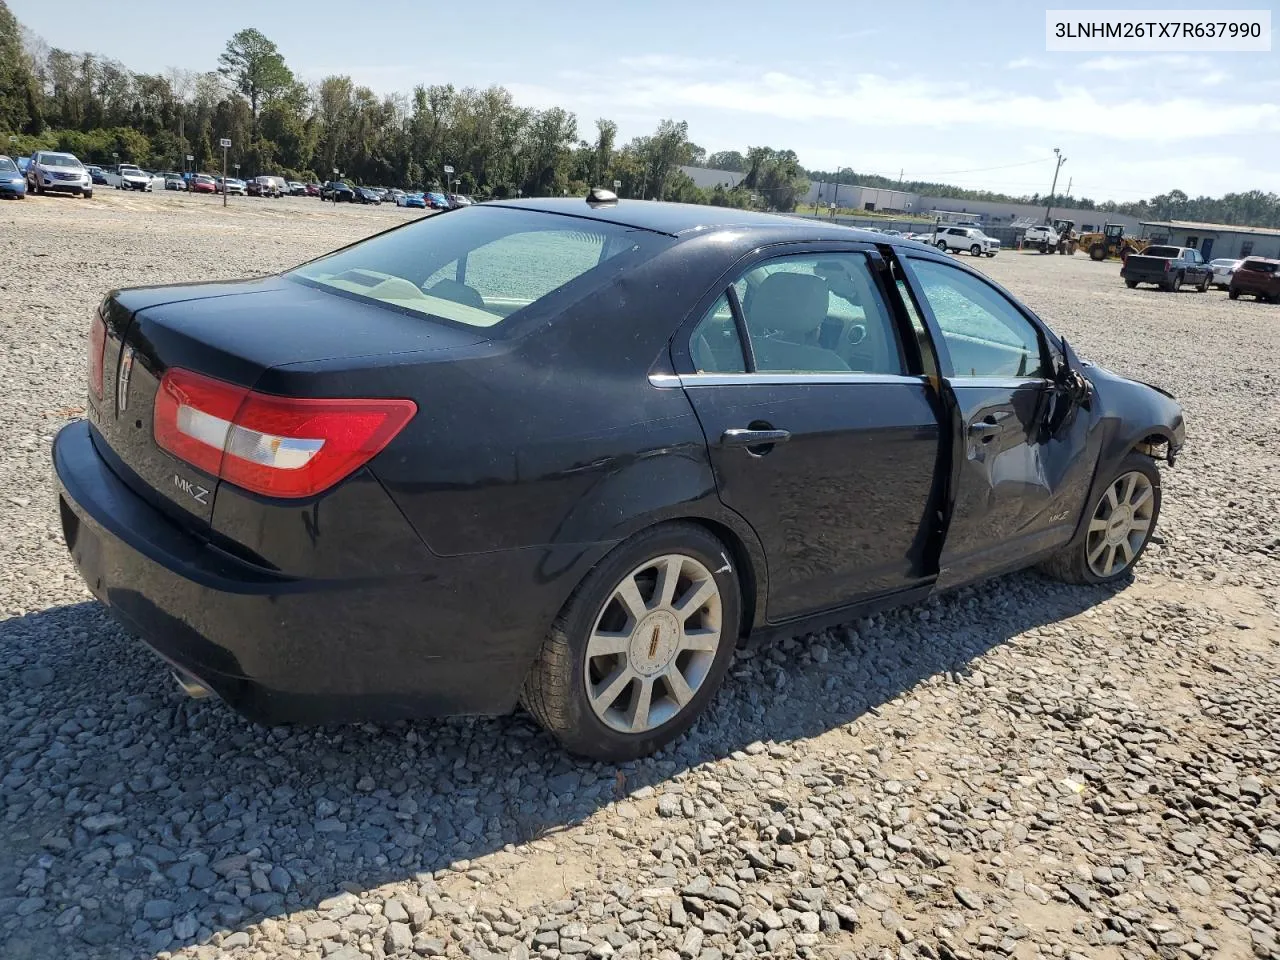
(1019, 470)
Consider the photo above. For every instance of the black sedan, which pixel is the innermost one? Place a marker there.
(570, 453)
(337, 191)
(367, 195)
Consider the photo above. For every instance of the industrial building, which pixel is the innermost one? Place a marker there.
(1215, 240)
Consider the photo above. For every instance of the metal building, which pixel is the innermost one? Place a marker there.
(1215, 240)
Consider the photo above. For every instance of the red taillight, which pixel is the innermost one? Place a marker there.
(1166, 266)
(97, 347)
(276, 446)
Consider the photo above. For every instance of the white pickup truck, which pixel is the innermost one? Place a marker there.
(1042, 237)
(127, 177)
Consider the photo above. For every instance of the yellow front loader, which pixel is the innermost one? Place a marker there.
(1111, 242)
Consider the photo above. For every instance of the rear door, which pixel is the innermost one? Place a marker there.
(823, 433)
(1021, 470)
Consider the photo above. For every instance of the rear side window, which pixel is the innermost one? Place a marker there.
(480, 265)
(715, 345)
(804, 314)
(1259, 266)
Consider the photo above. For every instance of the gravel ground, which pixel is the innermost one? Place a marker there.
(1018, 769)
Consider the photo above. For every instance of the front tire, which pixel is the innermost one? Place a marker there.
(1233, 294)
(1098, 252)
(641, 646)
(975, 251)
(942, 245)
(1204, 286)
(1118, 527)
(1131, 284)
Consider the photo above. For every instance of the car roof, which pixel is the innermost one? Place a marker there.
(676, 219)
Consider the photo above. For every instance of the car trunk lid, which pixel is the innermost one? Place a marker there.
(231, 332)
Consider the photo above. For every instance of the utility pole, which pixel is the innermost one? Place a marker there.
(901, 170)
(1061, 160)
(1070, 181)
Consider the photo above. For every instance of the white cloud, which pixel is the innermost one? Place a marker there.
(885, 121)
(872, 100)
(1114, 64)
(1024, 63)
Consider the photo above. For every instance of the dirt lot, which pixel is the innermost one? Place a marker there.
(1022, 769)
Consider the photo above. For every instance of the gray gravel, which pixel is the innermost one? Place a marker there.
(1018, 769)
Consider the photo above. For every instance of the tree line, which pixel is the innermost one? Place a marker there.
(103, 112)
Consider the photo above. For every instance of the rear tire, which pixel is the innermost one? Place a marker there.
(588, 684)
(1098, 252)
(1176, 283)
(1233, 294)
(1117, 534)
(1131, 284)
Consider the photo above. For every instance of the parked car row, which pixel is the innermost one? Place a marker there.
(1171, 268)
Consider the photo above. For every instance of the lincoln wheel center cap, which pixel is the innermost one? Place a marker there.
(1119, 524)
(654, 643)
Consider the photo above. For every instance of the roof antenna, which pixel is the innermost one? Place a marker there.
(599, 197)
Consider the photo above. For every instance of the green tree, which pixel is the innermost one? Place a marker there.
(727, 160)
(19, 98)
(256, 69)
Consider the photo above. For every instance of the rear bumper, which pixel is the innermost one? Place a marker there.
(278, 649)
(1252, 288)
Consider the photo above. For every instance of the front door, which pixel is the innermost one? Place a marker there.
(1206, 248)
(1020, 472)
(820, 435)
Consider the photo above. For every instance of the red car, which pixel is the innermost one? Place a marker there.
(202, 184)
(313, 189)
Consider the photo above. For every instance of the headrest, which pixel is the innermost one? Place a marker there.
(794, 303)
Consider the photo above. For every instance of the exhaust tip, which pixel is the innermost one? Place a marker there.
(192, 687)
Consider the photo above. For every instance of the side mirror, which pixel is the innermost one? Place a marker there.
(1069, 375)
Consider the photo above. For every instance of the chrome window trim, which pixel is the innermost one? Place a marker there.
(1010, 382)
(766, 378)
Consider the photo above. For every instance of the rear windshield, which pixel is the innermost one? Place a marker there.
(1162, 251)
(1259, 266)
(479, 265)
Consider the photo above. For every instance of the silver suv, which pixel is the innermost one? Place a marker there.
(58, 171)
(969, 239)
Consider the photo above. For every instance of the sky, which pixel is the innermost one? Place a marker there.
(948, 91)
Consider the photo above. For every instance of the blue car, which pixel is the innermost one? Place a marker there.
(12, 182)
(412, 200)
(437, 201)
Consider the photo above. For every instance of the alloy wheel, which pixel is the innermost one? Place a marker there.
(653, 643)
(1120, 524)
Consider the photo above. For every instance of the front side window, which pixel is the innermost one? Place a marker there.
(985, 334)
(480, 265)
(817, 313)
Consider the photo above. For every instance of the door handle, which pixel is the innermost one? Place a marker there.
(984, 430)
(739, 437)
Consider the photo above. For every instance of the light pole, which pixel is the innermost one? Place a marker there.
(1061, 160)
